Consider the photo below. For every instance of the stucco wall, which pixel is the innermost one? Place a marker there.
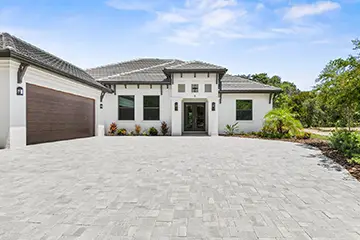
(4, 102)
(227, 111)
(33, 75)
(110, 106)
(201, 96)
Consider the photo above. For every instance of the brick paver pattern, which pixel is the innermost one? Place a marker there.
(175, 188)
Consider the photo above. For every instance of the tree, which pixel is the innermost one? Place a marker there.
(338, 86)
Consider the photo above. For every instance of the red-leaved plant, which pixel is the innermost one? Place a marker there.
(164, 128)
(112, 128)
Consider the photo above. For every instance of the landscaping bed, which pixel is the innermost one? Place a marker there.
(326, 149)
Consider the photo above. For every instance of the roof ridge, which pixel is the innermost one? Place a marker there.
(137, 70)
(126, 61)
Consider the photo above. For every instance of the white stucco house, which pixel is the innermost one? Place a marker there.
(44, 98)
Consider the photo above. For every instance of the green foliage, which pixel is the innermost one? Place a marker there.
(355, 159)
(335, 100)
(164, 128)
(230, 130)
(338, 86)
(280, 123)
(122, 132)
(153, 131)
(303, 135)
(346, 142)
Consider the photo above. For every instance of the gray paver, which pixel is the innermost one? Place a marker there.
(175, 188)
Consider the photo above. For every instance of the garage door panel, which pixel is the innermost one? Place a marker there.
(54, 115)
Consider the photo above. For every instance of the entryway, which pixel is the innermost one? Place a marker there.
(194, 118)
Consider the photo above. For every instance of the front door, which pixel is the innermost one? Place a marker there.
(194, 117)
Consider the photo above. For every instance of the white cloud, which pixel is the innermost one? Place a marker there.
(209, 4)
(219, 18)
(203, 21)
(302, 10)
(171, 17)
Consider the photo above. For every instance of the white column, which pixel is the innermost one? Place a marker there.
(100, 118)
(213, 129)
(17, 109)
(176, 120)
(4, 102)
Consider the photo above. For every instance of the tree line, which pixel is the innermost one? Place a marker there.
(335, 99)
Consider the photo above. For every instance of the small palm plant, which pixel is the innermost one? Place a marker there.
(281, 123)
(231, 129)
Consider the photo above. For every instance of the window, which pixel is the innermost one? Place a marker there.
(126, 107)
(243, 109)
(194, 87)
(207, 87)
(151, 108)
(181, 87)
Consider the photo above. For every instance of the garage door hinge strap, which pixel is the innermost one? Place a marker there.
(21, 72)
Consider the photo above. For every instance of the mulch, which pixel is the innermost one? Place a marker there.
(327, 150)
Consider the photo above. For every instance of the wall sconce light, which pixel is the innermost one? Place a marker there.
(19, 91)
(213, 106)
(176, 106)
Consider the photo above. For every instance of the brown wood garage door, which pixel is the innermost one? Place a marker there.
(53, 115)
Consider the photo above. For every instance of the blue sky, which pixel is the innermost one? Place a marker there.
(290, 38)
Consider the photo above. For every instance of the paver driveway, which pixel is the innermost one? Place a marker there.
(175, 188)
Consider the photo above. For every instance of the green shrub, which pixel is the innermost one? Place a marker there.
(280, 123)
(347, 142)
(231, 129)
(164, 128)
(303, 135)
(153, 131)
(122, 132)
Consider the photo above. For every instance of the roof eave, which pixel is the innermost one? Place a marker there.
(252, 91)
(136, 82)
(15, 55)
(210, 70)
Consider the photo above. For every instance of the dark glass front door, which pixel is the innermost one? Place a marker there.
(194, 117)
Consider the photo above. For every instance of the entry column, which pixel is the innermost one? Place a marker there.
(176, 116)
(213, 113)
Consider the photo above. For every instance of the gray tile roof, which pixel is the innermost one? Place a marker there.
(196, 65)
(136, 71)
(231, 83)
(30, 54)
(151, 70)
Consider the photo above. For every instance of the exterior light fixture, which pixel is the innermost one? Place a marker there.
(19, 91)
